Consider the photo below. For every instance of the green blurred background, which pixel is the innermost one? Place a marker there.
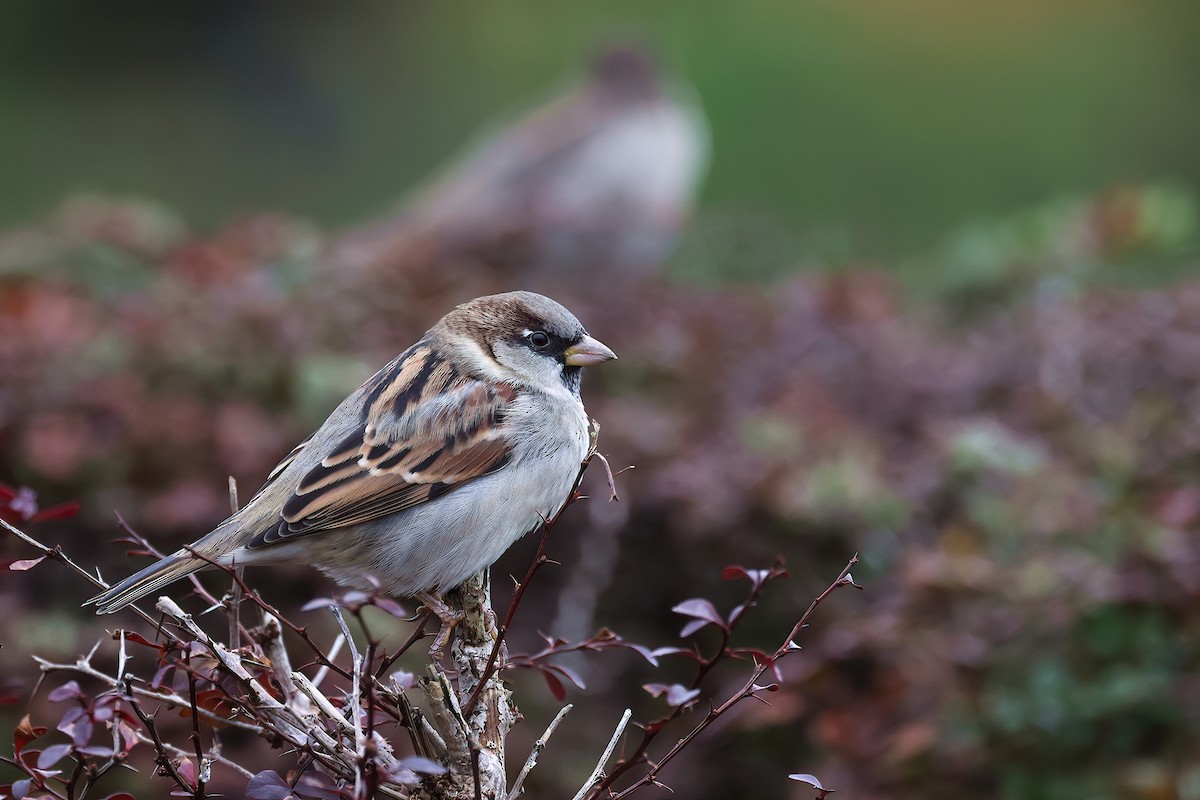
(860, 128)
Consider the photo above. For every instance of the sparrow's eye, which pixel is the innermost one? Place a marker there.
(539, 339)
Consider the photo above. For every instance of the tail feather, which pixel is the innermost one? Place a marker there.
(142, 583)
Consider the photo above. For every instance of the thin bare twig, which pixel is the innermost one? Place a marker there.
(598, 772)
(234, 597)
(166, 765)
(84, 667)
(608, 473)
(538, 747)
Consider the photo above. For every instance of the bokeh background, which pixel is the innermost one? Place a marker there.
(912, 279)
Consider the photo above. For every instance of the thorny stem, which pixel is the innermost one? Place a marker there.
(372, 705)
(201, 767)
(748, 689)
(58, 555)
(416, 636)
(165, 765)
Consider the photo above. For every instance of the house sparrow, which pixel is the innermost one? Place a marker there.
(604, 173)
(430, 470)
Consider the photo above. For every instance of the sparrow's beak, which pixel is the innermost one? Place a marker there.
(587, 352)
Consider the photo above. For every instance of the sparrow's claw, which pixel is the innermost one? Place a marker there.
(449, 617)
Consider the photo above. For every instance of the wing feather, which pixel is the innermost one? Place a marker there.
(426, 429)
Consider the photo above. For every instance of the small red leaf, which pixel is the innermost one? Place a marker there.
(161, 676)
(96, 751)
(699, 608)
(556, 686)
(681, 695)
(676, 651)
(390, 606)
(213, 700)
(78, 725)
(68, 691)
(128, 736)
(267, 785)
(137, 638)
(52, 755)
(60, 511)
(732, 572)
(676, 694)
(654, 727)
(570, 674)
(187, 770)
(354, 599)
(28, 563)
(755, 576)
(644, 652)
(319, 785)
(25, 733)
(811, 780)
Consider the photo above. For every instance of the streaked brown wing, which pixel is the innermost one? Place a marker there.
(426, 430)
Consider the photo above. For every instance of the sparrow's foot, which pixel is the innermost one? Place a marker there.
(449, 617)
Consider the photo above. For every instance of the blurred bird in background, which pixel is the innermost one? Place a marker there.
(599, 179)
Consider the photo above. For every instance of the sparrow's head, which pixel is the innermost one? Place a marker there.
(527, 337)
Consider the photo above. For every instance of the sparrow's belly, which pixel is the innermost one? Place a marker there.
(438, 545)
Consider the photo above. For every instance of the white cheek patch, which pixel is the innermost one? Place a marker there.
(482, 361)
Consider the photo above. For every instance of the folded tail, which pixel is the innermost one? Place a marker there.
(142, 583)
